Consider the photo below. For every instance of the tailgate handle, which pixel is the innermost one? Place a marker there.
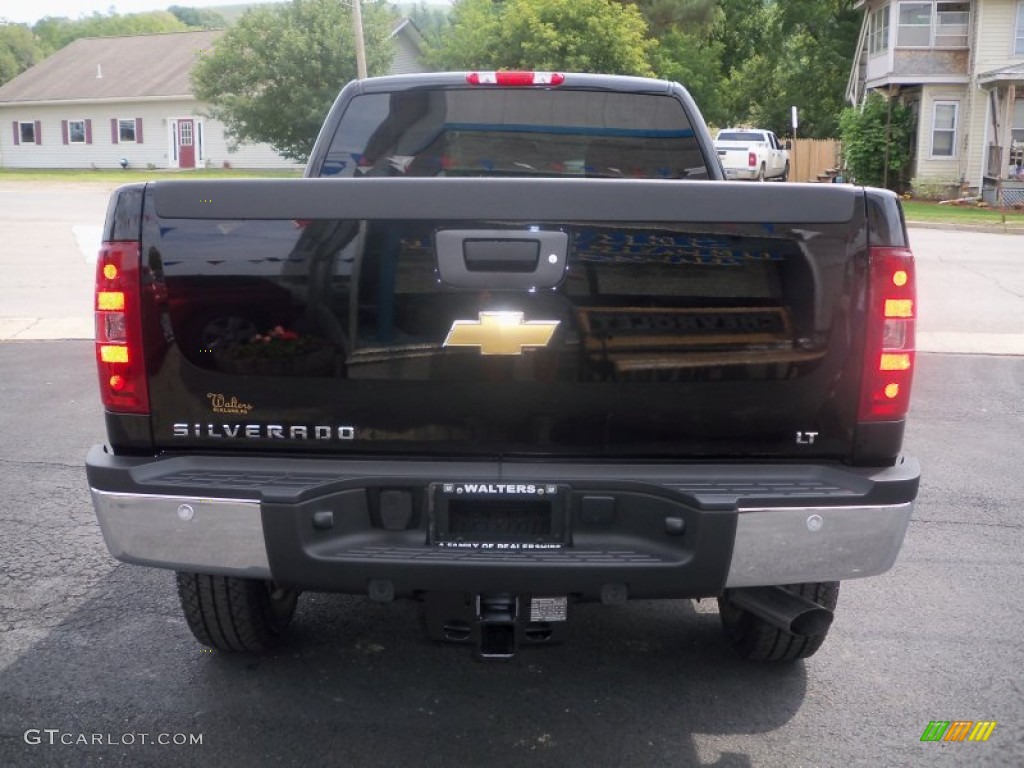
(501, 255)
(501, 259)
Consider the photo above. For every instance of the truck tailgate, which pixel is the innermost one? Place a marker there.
(733, 155)
(505, 317)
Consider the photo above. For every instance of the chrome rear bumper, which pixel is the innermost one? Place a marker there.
(216, 536)
(807, 544)
(772, 545)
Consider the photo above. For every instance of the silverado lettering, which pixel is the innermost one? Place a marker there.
(263, 431)
(650, 382)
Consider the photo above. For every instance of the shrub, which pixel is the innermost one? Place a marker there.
(873, 132)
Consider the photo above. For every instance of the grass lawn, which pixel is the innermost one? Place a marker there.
(919, 211)
(132, 174)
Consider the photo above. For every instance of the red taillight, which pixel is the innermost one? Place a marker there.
(889, 351)
(119, 329)
(752, 159)
(515, 78)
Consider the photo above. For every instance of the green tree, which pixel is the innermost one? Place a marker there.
(54, 33)
(50, 32)
(18, 50)
(431, 21)
(198, 17)
(568, 35)
(877, 141)
(744, 61)
(743, 28)
(819, 39)
(694, 61)
(777, 55)
(675, 15)
(274, 75)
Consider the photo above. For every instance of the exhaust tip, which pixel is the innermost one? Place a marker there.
(812, 622)
(783, 609)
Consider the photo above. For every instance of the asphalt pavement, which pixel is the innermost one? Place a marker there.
(97, 666)
(96, 650)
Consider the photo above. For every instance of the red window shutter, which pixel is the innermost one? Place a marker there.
(17, 134)
(138, 130)
(88, 131)
(113, 130)
(39, 132)
(64, 131)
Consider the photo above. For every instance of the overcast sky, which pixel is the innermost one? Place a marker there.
(30, 11)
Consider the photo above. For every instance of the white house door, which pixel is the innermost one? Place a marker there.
(185, 138)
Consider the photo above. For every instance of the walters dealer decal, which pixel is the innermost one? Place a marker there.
(501, 489)
(223, 404)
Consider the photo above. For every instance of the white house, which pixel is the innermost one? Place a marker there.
(408, 43)
(960, 66)
(99, 101)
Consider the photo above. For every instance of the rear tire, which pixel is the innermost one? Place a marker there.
(757, 640)
(232, 614)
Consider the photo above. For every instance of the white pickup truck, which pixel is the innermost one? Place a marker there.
(750, 153)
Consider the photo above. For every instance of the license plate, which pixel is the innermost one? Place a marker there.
(499, 518)
(499, 515)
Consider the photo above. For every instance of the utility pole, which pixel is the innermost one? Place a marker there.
(357, 23)
(796, 122)
(888, 138)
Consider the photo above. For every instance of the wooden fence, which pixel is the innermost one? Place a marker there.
(811, 158)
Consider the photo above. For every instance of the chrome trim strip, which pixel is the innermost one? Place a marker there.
(792, 545)
(216, 536)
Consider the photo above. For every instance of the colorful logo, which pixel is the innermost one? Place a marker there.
(958, 730)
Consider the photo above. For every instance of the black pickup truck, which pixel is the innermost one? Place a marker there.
(511, 345)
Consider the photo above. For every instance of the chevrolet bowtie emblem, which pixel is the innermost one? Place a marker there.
(501, 333)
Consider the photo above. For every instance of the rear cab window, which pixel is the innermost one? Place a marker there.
(740, 136)
(515, 132)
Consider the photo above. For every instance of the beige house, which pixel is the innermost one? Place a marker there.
(99, 102)
(960, 67)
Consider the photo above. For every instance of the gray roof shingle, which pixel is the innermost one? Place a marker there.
(138, 66)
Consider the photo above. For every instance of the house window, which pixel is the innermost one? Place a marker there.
(878, 31)
(952, 21)
(27, 132)
(915, 25)
(944, 128)
(1018, 40)
(76, 131)
(126, 130)
(933, 25)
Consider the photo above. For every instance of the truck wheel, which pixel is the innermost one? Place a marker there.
(232, 614)
(760, 173)
(757, 640)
